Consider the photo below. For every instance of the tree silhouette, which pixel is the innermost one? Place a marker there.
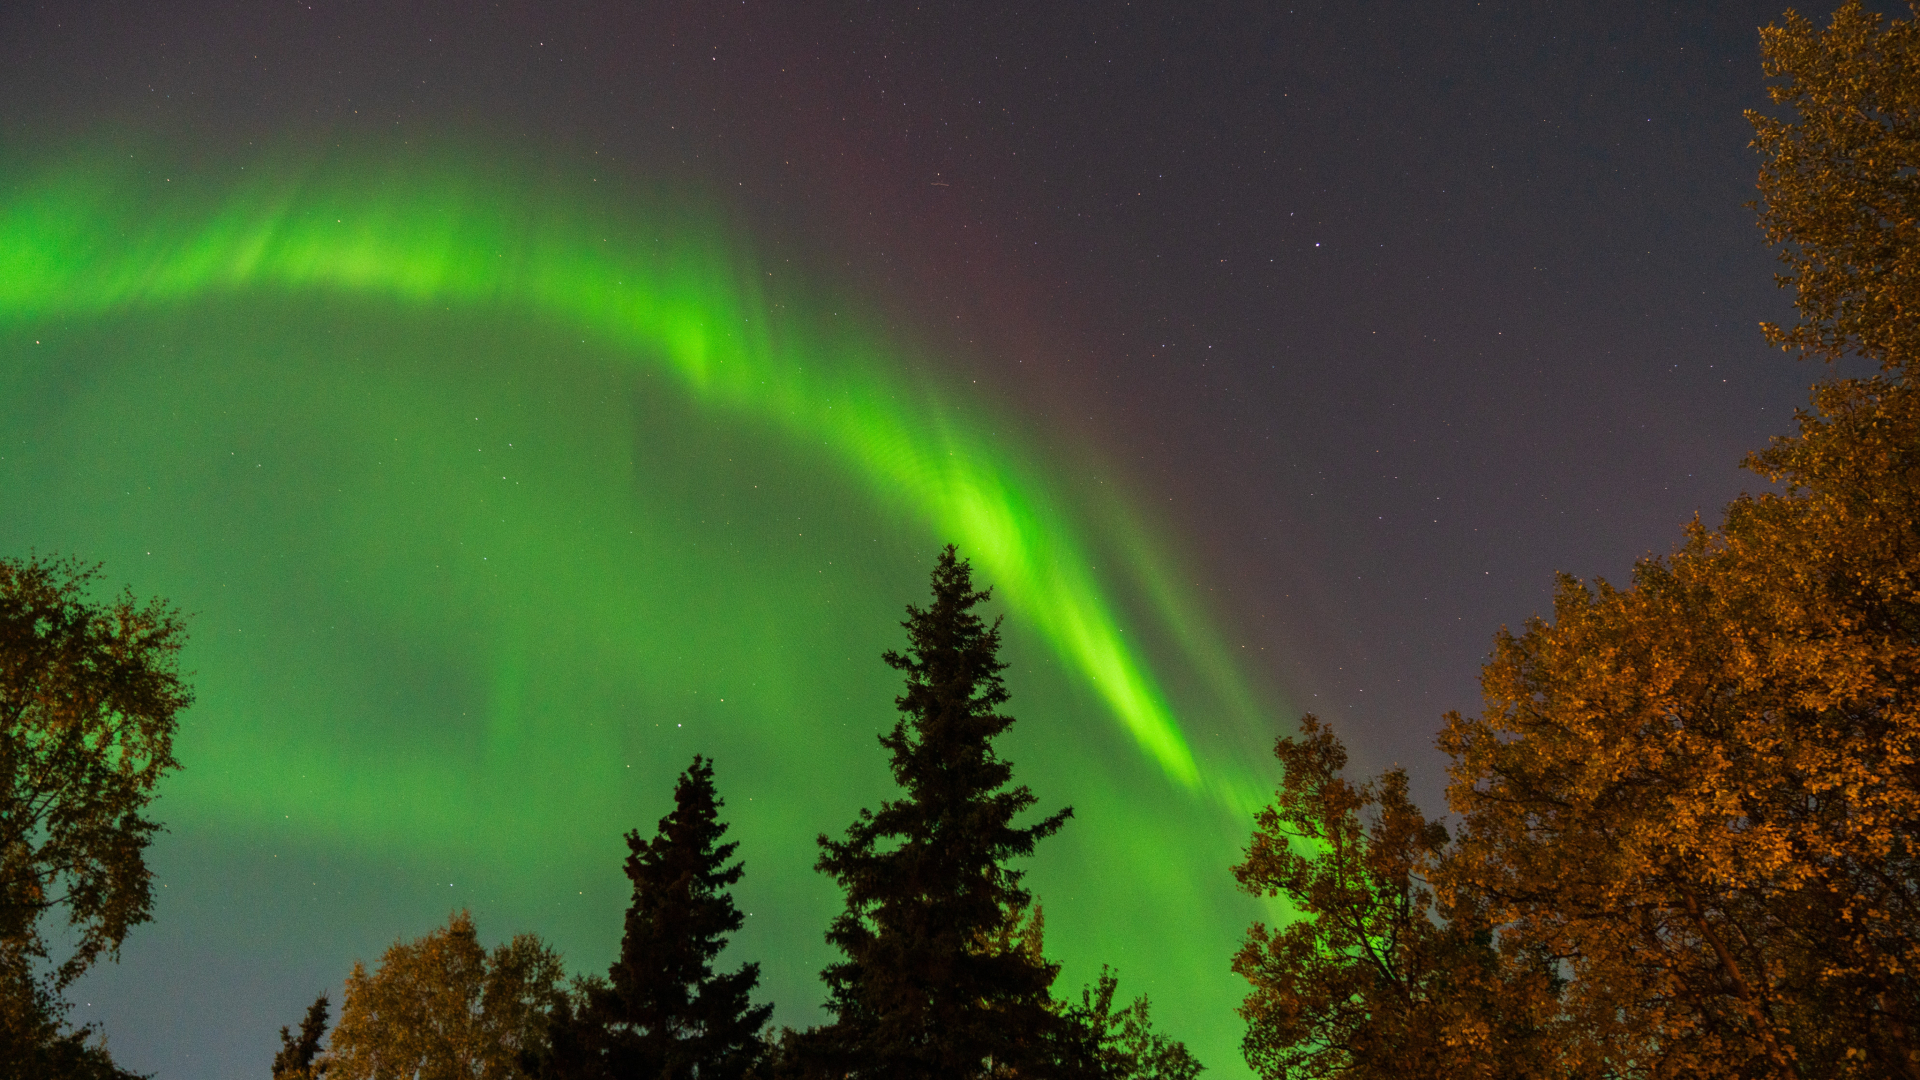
(931, 987)
(295, 1061)
(663, 1012)
(89, 694)
(1372, 979)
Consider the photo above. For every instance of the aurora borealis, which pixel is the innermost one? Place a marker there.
(521, 398)
(493, 505)
(76, 244)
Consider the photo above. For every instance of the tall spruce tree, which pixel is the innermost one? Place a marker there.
(663, 1014)
(925, 991)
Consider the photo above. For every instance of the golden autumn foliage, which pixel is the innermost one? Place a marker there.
(444, 1007)
(1702, 792)
(1840, 197)
(1689, 814)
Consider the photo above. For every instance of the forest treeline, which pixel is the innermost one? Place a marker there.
(943, 971)
(1680, 838)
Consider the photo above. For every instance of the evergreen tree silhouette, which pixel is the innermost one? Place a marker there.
(933, 984)
(662, 1013)
(295, 1061)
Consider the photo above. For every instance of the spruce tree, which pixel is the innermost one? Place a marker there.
(931, 985)
(663, 1014)
(296, 1059)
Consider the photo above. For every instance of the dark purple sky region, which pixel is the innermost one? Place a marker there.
(1388, 311)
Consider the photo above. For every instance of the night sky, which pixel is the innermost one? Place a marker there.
(503, 387)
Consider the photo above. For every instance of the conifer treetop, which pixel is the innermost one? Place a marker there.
(926, 878)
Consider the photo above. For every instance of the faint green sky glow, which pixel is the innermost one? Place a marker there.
(87, 240)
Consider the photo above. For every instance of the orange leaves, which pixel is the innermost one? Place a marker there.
(1690, 811)
(1702, 788)
(444, 1006)
(1839, 193)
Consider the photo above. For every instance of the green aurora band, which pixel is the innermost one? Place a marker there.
(418, 256)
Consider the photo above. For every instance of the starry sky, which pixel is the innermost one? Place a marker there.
(525, 397)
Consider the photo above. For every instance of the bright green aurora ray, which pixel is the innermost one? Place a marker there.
(104, 241)
(64, 250)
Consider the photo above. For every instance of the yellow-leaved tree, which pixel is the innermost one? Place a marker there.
(1702, 791)
(445, 1008)
(1692, 802)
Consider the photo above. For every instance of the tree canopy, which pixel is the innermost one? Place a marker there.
(930, 986)
(663, 1013)
(443, 1006)
(1372, 978)
(299, 1057)
(1688, 814)
(1124, 1045)
(1702, 790)
(1839, 195)
(89, 695)
(88, 698)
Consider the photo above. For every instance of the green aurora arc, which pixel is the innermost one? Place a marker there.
(311, 314)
